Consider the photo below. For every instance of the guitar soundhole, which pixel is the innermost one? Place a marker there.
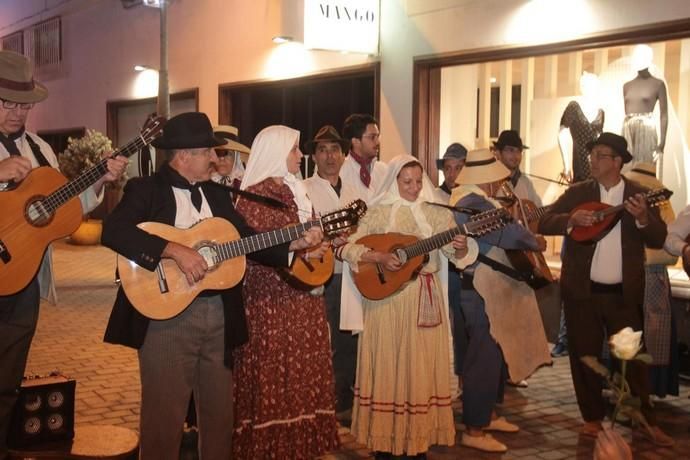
(37, 212)
(207, 250)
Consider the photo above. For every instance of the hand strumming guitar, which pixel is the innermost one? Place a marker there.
(389, 261)
(582, 218)
(459, 243)
(14, 168)
(190, 262)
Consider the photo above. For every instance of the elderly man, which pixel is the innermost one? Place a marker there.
(602, 283)
(20, 152)
(190, 353)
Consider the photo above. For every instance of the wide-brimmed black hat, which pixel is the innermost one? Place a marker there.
(190, 130)
(455, 151)
(509, 137)
(617, 143)
(327, 133)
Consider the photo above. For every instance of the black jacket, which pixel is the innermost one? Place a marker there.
(152, 199)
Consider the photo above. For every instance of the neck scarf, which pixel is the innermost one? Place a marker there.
(10, 145)
(364, 165)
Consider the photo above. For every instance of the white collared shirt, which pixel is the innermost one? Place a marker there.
(324, 200)
(607, 263)
(186, 214)
(353, 188)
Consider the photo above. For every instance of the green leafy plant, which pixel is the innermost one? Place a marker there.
(625, 346)
(85, 152)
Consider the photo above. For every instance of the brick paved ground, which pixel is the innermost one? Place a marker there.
(69, 338)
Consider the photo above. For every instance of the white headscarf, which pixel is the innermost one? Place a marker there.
(268, 158)
(390, 195)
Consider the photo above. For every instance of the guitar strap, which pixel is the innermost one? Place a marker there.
(501, 267)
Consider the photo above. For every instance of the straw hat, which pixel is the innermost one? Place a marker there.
(481, 167)
(230, 133)
(645, 175)
(16, 80)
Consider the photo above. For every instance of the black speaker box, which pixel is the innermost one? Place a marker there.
(44, 412)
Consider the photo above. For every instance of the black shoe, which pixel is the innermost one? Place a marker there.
(559, 350)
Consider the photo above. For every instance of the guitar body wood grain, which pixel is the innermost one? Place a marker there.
(23, 241)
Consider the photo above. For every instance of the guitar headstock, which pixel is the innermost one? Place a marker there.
(657, 196)
(341, 219)
(153, 128)
(487, 222)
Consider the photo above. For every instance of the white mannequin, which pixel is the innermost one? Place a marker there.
(590, 104)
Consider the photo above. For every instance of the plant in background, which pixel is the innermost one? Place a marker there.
(85, 152)
(625, 345)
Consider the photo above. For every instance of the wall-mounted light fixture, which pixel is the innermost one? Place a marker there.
(141, 68)
(153, 3)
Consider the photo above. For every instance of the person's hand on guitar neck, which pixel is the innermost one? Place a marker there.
(459, 243)
(189, 261)
(310, 238)
(637, 206)
(116, 168)
(14, 168)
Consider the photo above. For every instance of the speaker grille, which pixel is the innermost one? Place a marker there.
(32, 425)
(33, 402)
(55, 422)
(56, 399)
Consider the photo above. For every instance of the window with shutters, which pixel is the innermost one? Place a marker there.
(14, 42)
(44, 44)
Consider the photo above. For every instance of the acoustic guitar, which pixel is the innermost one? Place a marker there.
(45, 207)
(308, 274)
(165, 292)
(609, 216)
(375, 282)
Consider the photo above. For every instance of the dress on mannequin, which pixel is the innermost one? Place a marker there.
(582, 131)
(639, 126)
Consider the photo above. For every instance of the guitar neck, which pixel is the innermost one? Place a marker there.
(433, 242)
(261, 241)
(537, 213)
(90, 176)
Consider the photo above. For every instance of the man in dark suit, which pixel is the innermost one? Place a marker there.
(191, 352)
(602, 284)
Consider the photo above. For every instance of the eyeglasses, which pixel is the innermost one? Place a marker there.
(599, 156)
(372, 136)
(223, 153)
(11, 105)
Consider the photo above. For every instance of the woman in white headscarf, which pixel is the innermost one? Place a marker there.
(402, 392)
(283, 376)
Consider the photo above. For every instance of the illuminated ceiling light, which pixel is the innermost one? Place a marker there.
(493, 80)
(141, 68)
(280, 39)
(153, 3)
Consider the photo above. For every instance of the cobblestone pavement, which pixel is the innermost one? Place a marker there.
(69, 338)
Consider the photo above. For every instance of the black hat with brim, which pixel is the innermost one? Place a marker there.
(617, 143)
(189, 130)
(509, 137)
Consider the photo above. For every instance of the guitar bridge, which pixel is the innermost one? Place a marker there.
(5, 255)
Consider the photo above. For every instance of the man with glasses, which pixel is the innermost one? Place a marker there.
(362, 173)
(602, 283)
(20, 152)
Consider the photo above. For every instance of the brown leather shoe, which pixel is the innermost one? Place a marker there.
(591, 429)
(657, 437)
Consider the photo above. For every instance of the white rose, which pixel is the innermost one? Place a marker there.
(626, 343)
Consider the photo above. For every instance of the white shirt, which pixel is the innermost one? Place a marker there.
(607, 263)
(525, 190)
(678, 230)
(324, 200)
(353, 188)
(186, 214)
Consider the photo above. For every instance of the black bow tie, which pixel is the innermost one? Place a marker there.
(176, 180)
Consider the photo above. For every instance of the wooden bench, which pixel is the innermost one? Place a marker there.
(93, 442)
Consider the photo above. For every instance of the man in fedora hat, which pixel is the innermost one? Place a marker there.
(190, 353)
(20, 152)
(602, 284)
(502, 320)
(324, 188)
(451, 164)
(508, 148)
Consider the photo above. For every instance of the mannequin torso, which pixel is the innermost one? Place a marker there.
(640, 96)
